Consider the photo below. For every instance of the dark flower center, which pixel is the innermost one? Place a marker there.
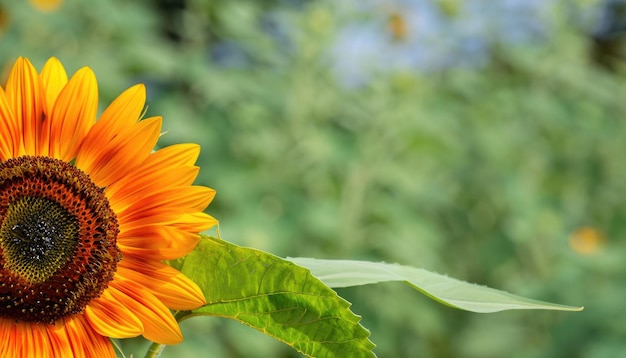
(38, 235)
(57, 240)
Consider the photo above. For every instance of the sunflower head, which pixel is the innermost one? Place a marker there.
(88, 211)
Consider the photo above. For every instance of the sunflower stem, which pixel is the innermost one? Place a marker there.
(155, 350)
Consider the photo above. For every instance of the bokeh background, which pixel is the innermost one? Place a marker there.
(485, 139)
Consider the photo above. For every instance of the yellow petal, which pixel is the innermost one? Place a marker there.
(174, 155)
(54, 78)
(195, 222)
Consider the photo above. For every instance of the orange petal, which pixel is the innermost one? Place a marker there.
(108, 161)
(59, 340)
(10, 140)
(73, 114)
(176, 200)
(158, 243)
(165, 168)
(24, 92)
(138, 184)
(160, 326)
(169, 285)
(24, 339)
(8, 332)
(6, 337)
(31, 342)
(111, 319)
(85, 341)
(120, 115)
(118, 118)
(191, 222)
(41, 342)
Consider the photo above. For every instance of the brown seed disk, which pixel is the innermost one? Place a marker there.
(57, 239)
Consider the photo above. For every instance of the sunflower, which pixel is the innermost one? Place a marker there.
(88, 213)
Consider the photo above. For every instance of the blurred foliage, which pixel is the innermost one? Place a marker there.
(505, 172)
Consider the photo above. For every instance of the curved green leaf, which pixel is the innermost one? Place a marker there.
(277, 298)
(444, 289)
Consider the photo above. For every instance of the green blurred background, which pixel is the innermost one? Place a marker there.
(482, 139)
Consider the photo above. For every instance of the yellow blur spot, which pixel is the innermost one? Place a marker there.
(46, 5)
(586, 240)
(397, 27)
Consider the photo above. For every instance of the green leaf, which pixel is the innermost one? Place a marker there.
(277, 298)
(444, 289)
